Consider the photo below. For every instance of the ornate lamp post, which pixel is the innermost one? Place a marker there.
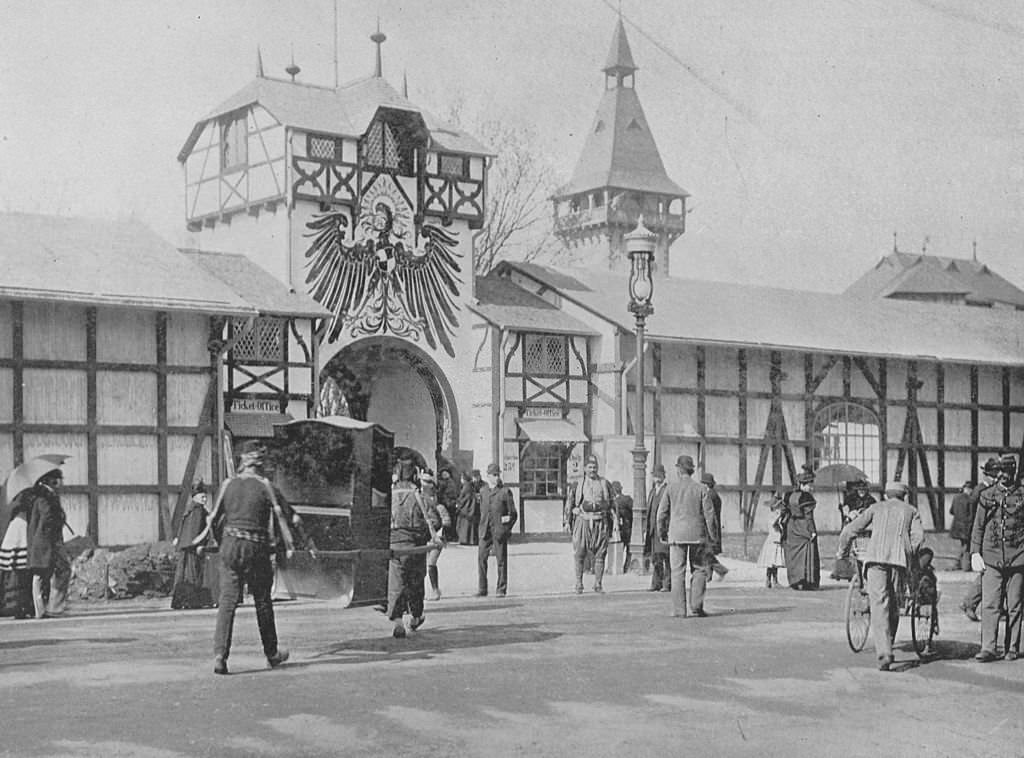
(640, 246)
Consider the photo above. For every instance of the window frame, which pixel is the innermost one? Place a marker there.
(234, 152)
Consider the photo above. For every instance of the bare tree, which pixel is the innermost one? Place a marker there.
(518, 221)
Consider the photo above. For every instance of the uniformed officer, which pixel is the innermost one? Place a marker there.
(972, 598)
(997, 548)
(590, 509)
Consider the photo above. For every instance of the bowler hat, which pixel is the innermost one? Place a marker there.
(685, 461)
(592, 459)
(708, 479)
(493, 469)
(658, 470)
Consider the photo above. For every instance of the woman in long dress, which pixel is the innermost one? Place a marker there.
(190, 590)
(803, 569)
(15, 576)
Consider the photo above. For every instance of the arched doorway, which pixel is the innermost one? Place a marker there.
(397, 385)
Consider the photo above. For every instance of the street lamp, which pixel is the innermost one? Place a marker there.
(640, 247)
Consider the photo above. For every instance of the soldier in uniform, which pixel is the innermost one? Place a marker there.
(589, 514)
(497, 517)
(997, 548)
(414, 523)
(972, 598)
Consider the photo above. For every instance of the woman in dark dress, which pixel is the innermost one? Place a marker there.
(191, 587)
(467, 511)
(803, 570)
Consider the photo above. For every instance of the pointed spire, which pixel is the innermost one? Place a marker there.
(293, 70)
(378, 39)
(620, 57)
(974, 249)
(405, 84)
(259, 63)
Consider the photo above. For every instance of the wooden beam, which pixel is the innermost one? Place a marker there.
(92, 435)
(819, 377)
(865, 371)
(883, 420)
(940, 439)
(164, 516)
(18, 381)
(1005, 376)
(974, 418)
(741, 412)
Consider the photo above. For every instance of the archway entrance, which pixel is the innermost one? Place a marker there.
(397, 385)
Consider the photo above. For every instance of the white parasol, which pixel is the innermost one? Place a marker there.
(27, 474)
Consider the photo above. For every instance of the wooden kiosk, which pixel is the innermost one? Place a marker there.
(336, 473)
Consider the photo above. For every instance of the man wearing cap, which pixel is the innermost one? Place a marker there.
(686, 521)
(654, 549)
(896, 536)
(590, 514)
(414, 524)
(972, 598)
(497, 517)
(253, 520)
(997, 548)
(717, 569)
(962, 510)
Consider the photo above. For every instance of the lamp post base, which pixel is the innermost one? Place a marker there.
(636, 547)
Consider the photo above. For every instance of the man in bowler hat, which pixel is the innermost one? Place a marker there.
(686, 521)
(654, 548)
(497, 517)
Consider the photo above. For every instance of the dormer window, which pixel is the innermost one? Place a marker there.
(380, 148)
(234, 142)
(393, 141)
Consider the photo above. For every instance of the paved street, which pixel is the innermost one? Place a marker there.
(540, 673)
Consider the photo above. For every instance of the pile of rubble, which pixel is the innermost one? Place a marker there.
(99, 573)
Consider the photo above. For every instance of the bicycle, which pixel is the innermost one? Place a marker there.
(917, 602)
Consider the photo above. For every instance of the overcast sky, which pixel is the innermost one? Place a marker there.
(807, 132)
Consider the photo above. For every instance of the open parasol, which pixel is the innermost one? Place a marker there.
(836, 475)
(27, 474)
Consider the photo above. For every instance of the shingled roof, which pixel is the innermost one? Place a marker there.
(911, 275)
(724, 313)
(504, 304)
(346, 111)
(103, 262)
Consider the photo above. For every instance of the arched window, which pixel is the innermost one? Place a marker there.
(848, 433)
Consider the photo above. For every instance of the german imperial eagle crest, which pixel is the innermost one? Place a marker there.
(386, 277)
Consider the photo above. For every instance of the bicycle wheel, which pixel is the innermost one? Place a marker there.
(924, 623)
(858, 615)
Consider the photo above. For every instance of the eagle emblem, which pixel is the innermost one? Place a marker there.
(387, 277)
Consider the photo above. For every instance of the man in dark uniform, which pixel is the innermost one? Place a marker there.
(654, 548)
(716, 567)
(997, 548)
(624, 512)
(590, 512)
(972, 598)
(497, 517)
(962, 511)
(47, 558)
(253, 521)
(414, 523)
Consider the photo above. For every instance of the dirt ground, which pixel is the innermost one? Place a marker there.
(540, 673)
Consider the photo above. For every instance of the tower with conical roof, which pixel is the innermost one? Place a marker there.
(619, 176)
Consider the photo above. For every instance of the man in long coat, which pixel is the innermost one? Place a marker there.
(686, 521)
(497, 517)
(47, 559)
(962, 510)
(654, 549)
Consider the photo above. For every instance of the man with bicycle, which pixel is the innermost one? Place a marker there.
(896, 536)
(997, 548)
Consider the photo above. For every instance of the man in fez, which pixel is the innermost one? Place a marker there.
(590, 513)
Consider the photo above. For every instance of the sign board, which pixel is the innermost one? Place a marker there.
(542, 413)
(254, 405)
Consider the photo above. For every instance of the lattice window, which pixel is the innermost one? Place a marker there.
(542, 470)
(324, 148)
(544, 354)
(264, 343)
(453, 165)
(234, 142)
(380, 147)
(848, 433)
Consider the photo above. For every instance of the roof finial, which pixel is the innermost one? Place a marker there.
(924, 245)
(405, 84)
(259, 62)
(895, 249)
(974, 249)
(293, 70)
(378, 39)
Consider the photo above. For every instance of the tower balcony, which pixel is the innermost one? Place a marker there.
(590, 220)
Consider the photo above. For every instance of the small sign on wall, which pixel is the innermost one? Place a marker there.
(254, 405)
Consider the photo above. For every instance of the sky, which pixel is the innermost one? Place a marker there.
(807, 133)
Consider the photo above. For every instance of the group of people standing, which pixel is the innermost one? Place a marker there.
(34, 565)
